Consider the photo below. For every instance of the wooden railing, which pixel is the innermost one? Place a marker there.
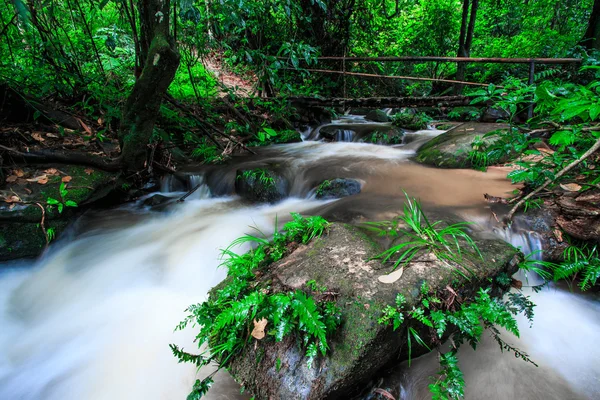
(528, 61)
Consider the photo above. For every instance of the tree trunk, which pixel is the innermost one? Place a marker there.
(465, 38)
(160, 58)
(591, 39)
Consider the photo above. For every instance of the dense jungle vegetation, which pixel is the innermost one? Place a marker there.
(137, 89)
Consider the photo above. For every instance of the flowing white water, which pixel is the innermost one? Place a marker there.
(93, 318)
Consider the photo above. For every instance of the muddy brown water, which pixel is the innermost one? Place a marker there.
(93, 317)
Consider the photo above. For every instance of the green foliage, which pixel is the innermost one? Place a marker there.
(445, 242)
(258, 175)
(61, 203)
(415, 122)
(498, 146)
(323, 187)
(581, 263)
(226, 318)
(513, 97)
(466, 323)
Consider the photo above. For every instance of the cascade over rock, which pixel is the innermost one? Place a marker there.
(342, 260)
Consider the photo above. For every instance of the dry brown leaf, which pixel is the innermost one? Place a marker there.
(66, 179)
(559, 236)
(42, 179)
(29, 191)
(85, 127)
(570, 187)
(384, 393)
(51, 171)
(12, 199)
(52, 135)
(11, 178)
(88, 171)
(19, 173)
(37, 136)
(259, 329)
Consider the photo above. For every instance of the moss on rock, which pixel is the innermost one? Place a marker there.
(343, 262)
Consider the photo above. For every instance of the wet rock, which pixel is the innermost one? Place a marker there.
(21, 234)
(337, 188)
(384, 136)
(261, 185)
(494, 115)
(377, 116)
(451, 149)
(342, 261)
(158, 200)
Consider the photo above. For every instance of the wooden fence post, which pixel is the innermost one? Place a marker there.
(530, 82)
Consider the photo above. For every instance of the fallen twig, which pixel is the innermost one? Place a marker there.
(566, 169)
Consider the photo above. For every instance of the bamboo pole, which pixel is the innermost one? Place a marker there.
(328, 71)
(493, 60)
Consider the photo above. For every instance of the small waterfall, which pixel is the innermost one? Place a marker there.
(344, 135)
(203, 192)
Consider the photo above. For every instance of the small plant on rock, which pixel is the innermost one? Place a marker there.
(421, 235)
(244, 308)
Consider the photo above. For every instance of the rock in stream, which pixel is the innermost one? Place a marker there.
(343, 261)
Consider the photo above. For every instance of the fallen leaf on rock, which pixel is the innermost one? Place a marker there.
(52, 135)
(37, 136)
(259, 329)
(51, 171)
(42, 179)
(12, 199)
(11, 178)
(66, 179)
(18, 172)
(88, 171)
(570, 187)
(391, 277)
(558, 234)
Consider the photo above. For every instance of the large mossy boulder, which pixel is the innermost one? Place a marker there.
(337, 188)
(451, 149)
(377, 116)
(342, 261)
(261, 185)
(21, 234)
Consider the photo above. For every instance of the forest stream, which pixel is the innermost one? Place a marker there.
(93, 317)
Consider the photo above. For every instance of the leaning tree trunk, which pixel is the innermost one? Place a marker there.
(465, 39)
(591, 39)
(160, 58)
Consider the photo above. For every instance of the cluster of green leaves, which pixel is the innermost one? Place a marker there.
(580, 263)
(226, 318)
(61, 202)
(259, 175)
(445, 242)
(503, 146)
(323, 187)
(465, 323)
(513, 97)
(207, 153)
(415, 122)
